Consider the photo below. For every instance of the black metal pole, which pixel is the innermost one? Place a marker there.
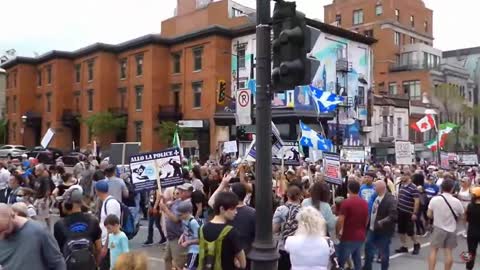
(238, 66)
(264, 254)
(337, 127)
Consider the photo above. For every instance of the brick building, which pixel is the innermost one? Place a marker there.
(154, 78)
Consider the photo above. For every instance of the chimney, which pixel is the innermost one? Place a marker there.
(188, 6)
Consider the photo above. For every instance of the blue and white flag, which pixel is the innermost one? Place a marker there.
(312, 139)
(325, 101)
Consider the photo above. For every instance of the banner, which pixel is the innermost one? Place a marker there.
(291, 155)
(403, 153)
(352, 155)
(332, 168)
(243, 107)
(467, 159)
(148, 167)
(230, 147)
(444, 162)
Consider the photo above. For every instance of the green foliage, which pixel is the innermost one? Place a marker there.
(3, 131)
(167, 129)
(105, 123)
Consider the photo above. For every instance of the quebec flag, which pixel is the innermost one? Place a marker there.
(312, 139)
(325, 101)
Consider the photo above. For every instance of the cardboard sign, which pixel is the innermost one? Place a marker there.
(332, 168)
(444, 162)
(230, 147)
(467, 159)
(289, 153)
(165, 166)
(354, 155)
(403, 153)
(47, 138)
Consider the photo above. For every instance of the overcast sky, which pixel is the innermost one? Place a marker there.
(32, 26)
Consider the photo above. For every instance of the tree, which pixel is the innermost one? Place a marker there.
(3, 131)
(105, 123)
(167, 129)
(454, 108)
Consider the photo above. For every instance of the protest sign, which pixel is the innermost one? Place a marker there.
(352, 155)
(47, 138)
(403, 153)
(332, 168)
(289, 153)
(164, 166)
(444, 162)
(230, 147)
(467, 159)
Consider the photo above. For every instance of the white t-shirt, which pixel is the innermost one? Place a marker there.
(112, 208)
(4, 178)
(308, 252)
(442, 215)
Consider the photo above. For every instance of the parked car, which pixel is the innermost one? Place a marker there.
(72, 158)
(12, 151)
(45, 155)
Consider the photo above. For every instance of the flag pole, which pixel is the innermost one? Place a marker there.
(438, 140)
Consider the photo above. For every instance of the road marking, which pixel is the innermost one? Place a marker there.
(422, 246)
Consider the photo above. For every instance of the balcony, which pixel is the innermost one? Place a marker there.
(118, 111)
(343, 65)
(169, 113)
(70, 118)
(411, 66)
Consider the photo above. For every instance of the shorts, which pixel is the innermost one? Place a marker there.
(405, 223)
(175, 254)
(443, 239)
(192, 261)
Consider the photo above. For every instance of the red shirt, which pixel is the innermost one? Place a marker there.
(355, 211)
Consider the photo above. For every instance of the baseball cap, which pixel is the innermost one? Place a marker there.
(185, 186)
(476, 192)
(185, 207)
(102, 186)
(73, 195)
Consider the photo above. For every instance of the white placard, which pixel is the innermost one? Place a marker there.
(352, 155)
(467, 159)
(403, 153)
(47, 138)
(230, 147)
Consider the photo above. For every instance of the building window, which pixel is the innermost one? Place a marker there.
(49, 74)
(399, 127)
(49, 102)
(397, 14)
(470, 96)
(385, 126)
(237, 12)
(338, 19)
(176, 57)
(175, 97)
(397, 59)
(197, 94)
(77, 102)
(378, 10)
(123, 97)
(14, 131)
(412, 21)
(413, 89)
(123, 68)
(425, 26)
(242, 84)
(138, 97)
(90, 100)
(14, 107)
(138, 131)
(15, 79)
(197, 59)
(139, 60)
(412, 40)
(396, 38)
(368, 33)
(358, 16)
(7, 79)
(39, 78)
(241, 49)
(77, 72)
(361, 95)
(90, 70)
(391, 123)
(7, 100)
(392, 88)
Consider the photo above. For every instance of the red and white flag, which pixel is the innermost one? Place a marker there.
(424, 124)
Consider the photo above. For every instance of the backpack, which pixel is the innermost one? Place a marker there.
(210, 254)
(78, 252)
(127, 219)
(291, 223)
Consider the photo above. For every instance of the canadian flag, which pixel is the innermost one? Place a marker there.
(424, 124)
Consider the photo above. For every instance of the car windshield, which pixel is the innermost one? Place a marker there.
(6, 147)
(21, 147)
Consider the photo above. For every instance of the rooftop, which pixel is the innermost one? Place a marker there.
(461, 52)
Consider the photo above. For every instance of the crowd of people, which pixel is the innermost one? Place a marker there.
(209, 222)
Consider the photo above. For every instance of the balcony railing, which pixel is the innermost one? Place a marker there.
(412, 66)
(343, 65)
(70, 118)
(169, 113)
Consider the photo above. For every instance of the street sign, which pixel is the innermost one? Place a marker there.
(243, 108)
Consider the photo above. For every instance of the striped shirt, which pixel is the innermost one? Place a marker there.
(406, 195)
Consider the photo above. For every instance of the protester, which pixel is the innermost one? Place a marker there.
(4, 178)
(309, 248)
(116, 186)
(381, 226)
(25, 244)
(189, 238)
(154, 218)
(14, 184)
(67, 182)
(320, 199)
(445, 211)
(43, 187)
(366, 189)
(26, 195)
(217, 233)
(20, 209)
(473, 231)
(351, 226)
(408, 208)
(244, 220)
(117, 240)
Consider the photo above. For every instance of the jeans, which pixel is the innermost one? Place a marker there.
(347, 248)
(136, 210)
(472, 242)
(376, 242)
(154, 219)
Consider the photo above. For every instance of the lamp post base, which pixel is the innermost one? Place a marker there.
(264, 256)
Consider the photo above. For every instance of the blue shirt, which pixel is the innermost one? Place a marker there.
(118, 244)
(366, 192)
(326, 212)
(190, 231)
(431, 190)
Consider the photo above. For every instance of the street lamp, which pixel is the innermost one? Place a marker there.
(22, 131)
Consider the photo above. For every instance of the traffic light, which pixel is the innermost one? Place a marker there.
(221, 92)
(290, 42)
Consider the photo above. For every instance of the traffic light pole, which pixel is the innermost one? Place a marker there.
(264, 254)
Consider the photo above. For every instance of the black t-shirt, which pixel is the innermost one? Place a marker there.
(230, 246)
(62, 188)
(473, 219)
(198, 197)
(77, 225)
(244, 222)
(43, 186)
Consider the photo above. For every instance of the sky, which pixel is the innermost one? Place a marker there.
(36, 27)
